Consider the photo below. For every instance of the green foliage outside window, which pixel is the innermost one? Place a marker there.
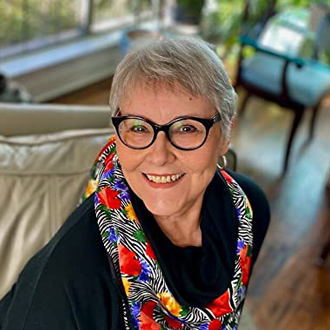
(109, 9)
(24, 20)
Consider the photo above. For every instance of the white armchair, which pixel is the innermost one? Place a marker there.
(46, 152)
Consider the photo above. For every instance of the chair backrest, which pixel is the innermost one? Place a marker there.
(24, 119)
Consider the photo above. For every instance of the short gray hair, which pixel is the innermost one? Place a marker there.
(189, 63)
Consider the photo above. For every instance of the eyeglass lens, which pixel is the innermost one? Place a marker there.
(186, 133)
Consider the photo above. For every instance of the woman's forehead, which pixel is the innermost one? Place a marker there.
(156, 86)
(165, 103)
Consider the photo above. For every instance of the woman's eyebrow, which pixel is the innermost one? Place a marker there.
(151, 119)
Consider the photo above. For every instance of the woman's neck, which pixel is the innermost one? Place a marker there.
(182, 230)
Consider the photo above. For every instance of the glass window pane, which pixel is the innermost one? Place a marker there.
(112, 13)
(23, 21)
(107, 9)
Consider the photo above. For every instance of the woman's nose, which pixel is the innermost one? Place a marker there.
(161, 151)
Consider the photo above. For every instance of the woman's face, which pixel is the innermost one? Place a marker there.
(195, 168)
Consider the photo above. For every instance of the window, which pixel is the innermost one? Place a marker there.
(29, 24)
(111, 13)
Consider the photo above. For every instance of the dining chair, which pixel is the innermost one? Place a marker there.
(278, 73)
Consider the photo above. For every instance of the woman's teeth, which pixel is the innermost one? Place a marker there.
(164, 178)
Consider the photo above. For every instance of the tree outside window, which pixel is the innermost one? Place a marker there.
(29, 24)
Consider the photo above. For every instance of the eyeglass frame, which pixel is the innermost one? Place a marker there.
(207, 123)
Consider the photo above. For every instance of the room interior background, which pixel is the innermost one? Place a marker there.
(65, 52)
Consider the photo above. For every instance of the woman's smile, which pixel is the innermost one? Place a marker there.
(164, 180)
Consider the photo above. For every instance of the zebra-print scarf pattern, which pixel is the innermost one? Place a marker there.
(147, 300)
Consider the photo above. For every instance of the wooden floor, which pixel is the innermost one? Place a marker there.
(288, 290)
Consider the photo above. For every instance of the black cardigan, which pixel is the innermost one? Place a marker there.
(68, 284)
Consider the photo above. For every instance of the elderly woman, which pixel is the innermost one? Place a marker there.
(165, 240)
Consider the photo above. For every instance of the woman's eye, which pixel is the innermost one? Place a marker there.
(139, 129)
(187, 129)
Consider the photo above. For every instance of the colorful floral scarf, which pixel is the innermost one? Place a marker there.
(147, 300)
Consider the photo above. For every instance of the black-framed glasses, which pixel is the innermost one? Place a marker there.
(184, 133)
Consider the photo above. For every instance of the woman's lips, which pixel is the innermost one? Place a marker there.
(163, 181)
(165, 178)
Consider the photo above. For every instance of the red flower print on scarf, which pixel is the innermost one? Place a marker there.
(245, 264)
(146, 317)
(174, 324)
(220, 306)
(108, 163)
(107, 197)
(128, 263)
(149, 251)
(215, 325)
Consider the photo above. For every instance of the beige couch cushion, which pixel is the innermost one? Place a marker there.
(41, 180)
